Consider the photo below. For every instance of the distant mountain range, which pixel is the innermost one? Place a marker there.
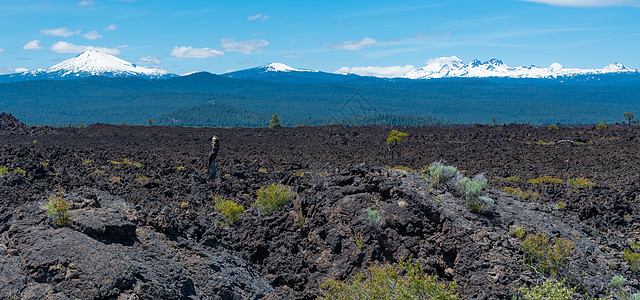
(453, 67)
(95, 63)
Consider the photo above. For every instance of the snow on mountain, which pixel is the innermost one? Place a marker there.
(447, 67)
(96, 63)
(280, 67)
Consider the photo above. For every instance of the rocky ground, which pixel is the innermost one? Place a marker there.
(145, 225)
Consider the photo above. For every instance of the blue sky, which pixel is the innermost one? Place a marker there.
(386, 36)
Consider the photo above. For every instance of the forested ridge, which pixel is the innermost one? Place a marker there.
(184, 101)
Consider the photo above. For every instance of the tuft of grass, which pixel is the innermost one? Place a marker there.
(4, 171)
(229, 209)
(561, 205)
(273, 197)
(550, 289)
(633, 259)
(144, 178)
(542, 254)
(518, 231)
(544, 179)
(634, 245)
(114, 179)
(57, 209)
(520, 193)
(406, 169)
(541, 142)
(262, 170)
(87, 161)
(358, 240)
(21, 171)
(553, 128)
(405, 281)
(580, 182)
(180, 168)
(514, 178)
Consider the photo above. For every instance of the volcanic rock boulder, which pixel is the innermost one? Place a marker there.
(104, 255)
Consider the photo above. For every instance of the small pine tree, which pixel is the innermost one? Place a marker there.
(150, 122)
(601, 125)
(393, 139)
(629, 116)
(275, 122)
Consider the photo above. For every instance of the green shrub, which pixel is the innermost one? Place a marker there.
(618, 281)
(520, 193)
(580, 182)
(57, 210)
(601, 125)
(544, 179)
(405, 281)
(633, 259)
(374, 217)
(550, 289)
(273, 198)
(443, 174)
(229, 209)
(473, 191)
(4, 171)
(543, 255)
(553, 128)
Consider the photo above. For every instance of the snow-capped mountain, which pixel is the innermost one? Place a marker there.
(278, 72)
(94, 63)
(447, 67)
(279, 67)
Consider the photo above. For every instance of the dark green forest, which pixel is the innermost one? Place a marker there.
(205, 99)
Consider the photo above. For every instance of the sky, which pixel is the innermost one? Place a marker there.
(367, 37)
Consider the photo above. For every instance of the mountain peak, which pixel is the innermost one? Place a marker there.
(97, 63)
(617, 67)
(280, 67)
(555, 66)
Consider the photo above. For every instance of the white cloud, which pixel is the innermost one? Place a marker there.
(246, 47)
(190, 52)
(92, 35)
(66, 47)
(1, 50)
(32, 45)
(6, 70)
(111, 27)
(260, 17)
(62, 31)
(20, 70)
(148, 60)
(393, 71)
(352, 45)
(85, 3)
(588, 3)
(291, 55)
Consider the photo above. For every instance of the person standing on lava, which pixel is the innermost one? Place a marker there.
(215, 143)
